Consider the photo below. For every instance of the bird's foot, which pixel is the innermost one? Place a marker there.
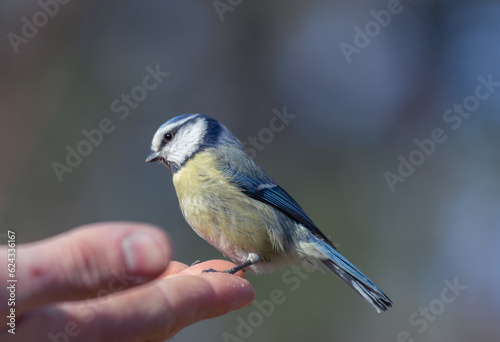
(210, 270)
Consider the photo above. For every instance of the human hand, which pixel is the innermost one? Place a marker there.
(82, 285)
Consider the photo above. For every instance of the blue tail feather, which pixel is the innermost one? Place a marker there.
(355, 279)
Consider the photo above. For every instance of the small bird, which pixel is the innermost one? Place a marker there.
(239, 209)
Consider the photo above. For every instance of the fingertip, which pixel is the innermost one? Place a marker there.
(229, 291)
(232, 291)
(240, 287)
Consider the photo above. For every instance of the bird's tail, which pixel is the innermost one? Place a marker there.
(355, 279)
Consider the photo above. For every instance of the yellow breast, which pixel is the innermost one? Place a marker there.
(220, 213)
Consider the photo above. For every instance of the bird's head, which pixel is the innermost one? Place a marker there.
(181, 137)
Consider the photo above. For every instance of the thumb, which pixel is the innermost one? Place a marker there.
(78, 264)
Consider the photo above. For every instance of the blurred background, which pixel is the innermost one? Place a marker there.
(363, 79)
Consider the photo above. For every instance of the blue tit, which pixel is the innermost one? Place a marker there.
(238, 208)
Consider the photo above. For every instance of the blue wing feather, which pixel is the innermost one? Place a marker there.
(269, 192)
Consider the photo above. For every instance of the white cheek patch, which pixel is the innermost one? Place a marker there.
(158, 137)
(187, 141)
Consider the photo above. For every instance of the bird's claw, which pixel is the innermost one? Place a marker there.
(210, 270)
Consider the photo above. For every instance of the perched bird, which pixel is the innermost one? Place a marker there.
(239, 209)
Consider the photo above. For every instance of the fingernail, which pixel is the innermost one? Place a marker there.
(143, 255)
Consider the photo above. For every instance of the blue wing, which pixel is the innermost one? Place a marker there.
(260, 186)
(269, 192)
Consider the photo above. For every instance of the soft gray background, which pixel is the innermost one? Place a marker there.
(353, 121)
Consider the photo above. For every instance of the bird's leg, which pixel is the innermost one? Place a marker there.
(251, 260)
(239, 267)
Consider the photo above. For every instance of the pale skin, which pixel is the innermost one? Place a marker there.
(113, 281)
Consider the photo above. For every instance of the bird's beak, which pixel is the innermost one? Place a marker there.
(153, 156)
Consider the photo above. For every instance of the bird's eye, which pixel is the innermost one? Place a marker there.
(168, 137)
